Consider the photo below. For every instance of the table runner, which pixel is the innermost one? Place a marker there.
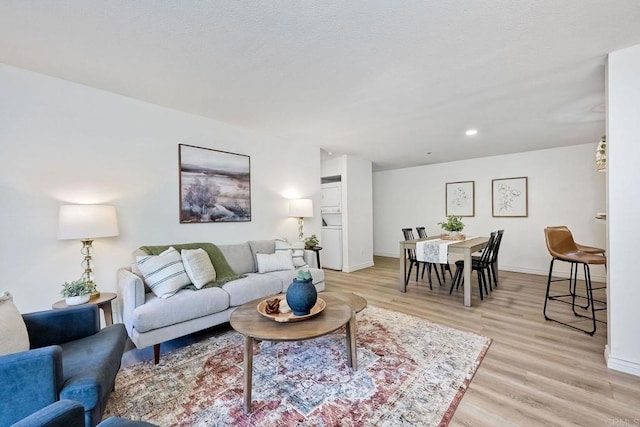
(436, 250)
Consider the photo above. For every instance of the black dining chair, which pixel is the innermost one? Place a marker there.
(422, 233)
(493, 264)
(480, 265)
(411, 255)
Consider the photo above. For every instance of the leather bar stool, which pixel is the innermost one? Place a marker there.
(562, 248)
(587, 249)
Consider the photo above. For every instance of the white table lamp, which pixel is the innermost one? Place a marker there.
(86, 223)
(301, 208)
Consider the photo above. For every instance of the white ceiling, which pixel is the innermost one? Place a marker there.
(383, 80)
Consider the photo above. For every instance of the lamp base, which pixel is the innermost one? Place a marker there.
(300, 228)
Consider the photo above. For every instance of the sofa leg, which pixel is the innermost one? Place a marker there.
(156, 354)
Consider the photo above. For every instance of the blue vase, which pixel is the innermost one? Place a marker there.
(301, 296)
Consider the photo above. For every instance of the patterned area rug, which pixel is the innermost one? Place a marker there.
(410, 372)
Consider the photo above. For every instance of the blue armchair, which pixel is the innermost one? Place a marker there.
(67, 413)
(70, 358)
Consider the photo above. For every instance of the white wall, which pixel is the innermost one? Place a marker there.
(564, 189)
(358, 214)
(623, 132)
(66, 143)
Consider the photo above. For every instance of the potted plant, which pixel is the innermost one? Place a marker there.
(311, 242)
(77, 291)
(453, 226)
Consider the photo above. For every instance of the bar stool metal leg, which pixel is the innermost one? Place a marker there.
(572, 296)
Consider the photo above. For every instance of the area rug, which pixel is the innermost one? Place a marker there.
(410, 372)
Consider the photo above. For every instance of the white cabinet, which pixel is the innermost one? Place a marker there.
(331, 198)
(331, 240)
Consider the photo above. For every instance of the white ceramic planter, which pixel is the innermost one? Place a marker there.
(77, 300)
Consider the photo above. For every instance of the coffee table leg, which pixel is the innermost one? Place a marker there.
(352, 354)
(248, 372)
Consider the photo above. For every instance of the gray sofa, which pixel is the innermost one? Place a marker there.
(150, 320)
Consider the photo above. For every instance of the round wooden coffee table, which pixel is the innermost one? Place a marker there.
(246, 320)
(355, 301)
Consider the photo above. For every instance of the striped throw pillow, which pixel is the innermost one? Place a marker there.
(297, 251)
(164, 273)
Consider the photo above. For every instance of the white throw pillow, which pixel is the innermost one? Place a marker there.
(13, 332)
(297, 251)
(198, 266)
(164, 273)
(274, 262)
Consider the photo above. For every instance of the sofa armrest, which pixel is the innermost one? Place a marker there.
(64, 413)
(53, 327)
(131, 293)
(31, 380)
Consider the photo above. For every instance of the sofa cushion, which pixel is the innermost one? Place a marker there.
(13, 331)
(198, 266)
(239, 257)
(274, 262)
(252, 287)
(184, 305)
(164, 273)
(262, 247)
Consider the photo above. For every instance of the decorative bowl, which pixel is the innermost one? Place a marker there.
(80, 299)
(290, 317)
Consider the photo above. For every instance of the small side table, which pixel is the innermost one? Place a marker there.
(103, 301)
(317, 250)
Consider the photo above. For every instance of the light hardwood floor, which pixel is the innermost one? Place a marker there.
(536, 373)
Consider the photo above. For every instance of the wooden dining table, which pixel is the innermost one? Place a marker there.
(465, 247)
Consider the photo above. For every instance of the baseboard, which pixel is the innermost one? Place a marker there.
(352, 268)
(385, 254)
(632, 368)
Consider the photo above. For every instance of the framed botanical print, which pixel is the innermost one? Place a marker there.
(510, 197)
(215, 186)
(460, 198)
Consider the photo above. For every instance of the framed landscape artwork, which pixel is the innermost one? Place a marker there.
(509, 197)
(460, 198)
(215, 186)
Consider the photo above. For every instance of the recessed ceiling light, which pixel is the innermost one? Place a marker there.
(330, 153)
(471, 132)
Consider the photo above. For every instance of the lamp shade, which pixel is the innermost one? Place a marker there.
(87, 222)
(301, 208)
